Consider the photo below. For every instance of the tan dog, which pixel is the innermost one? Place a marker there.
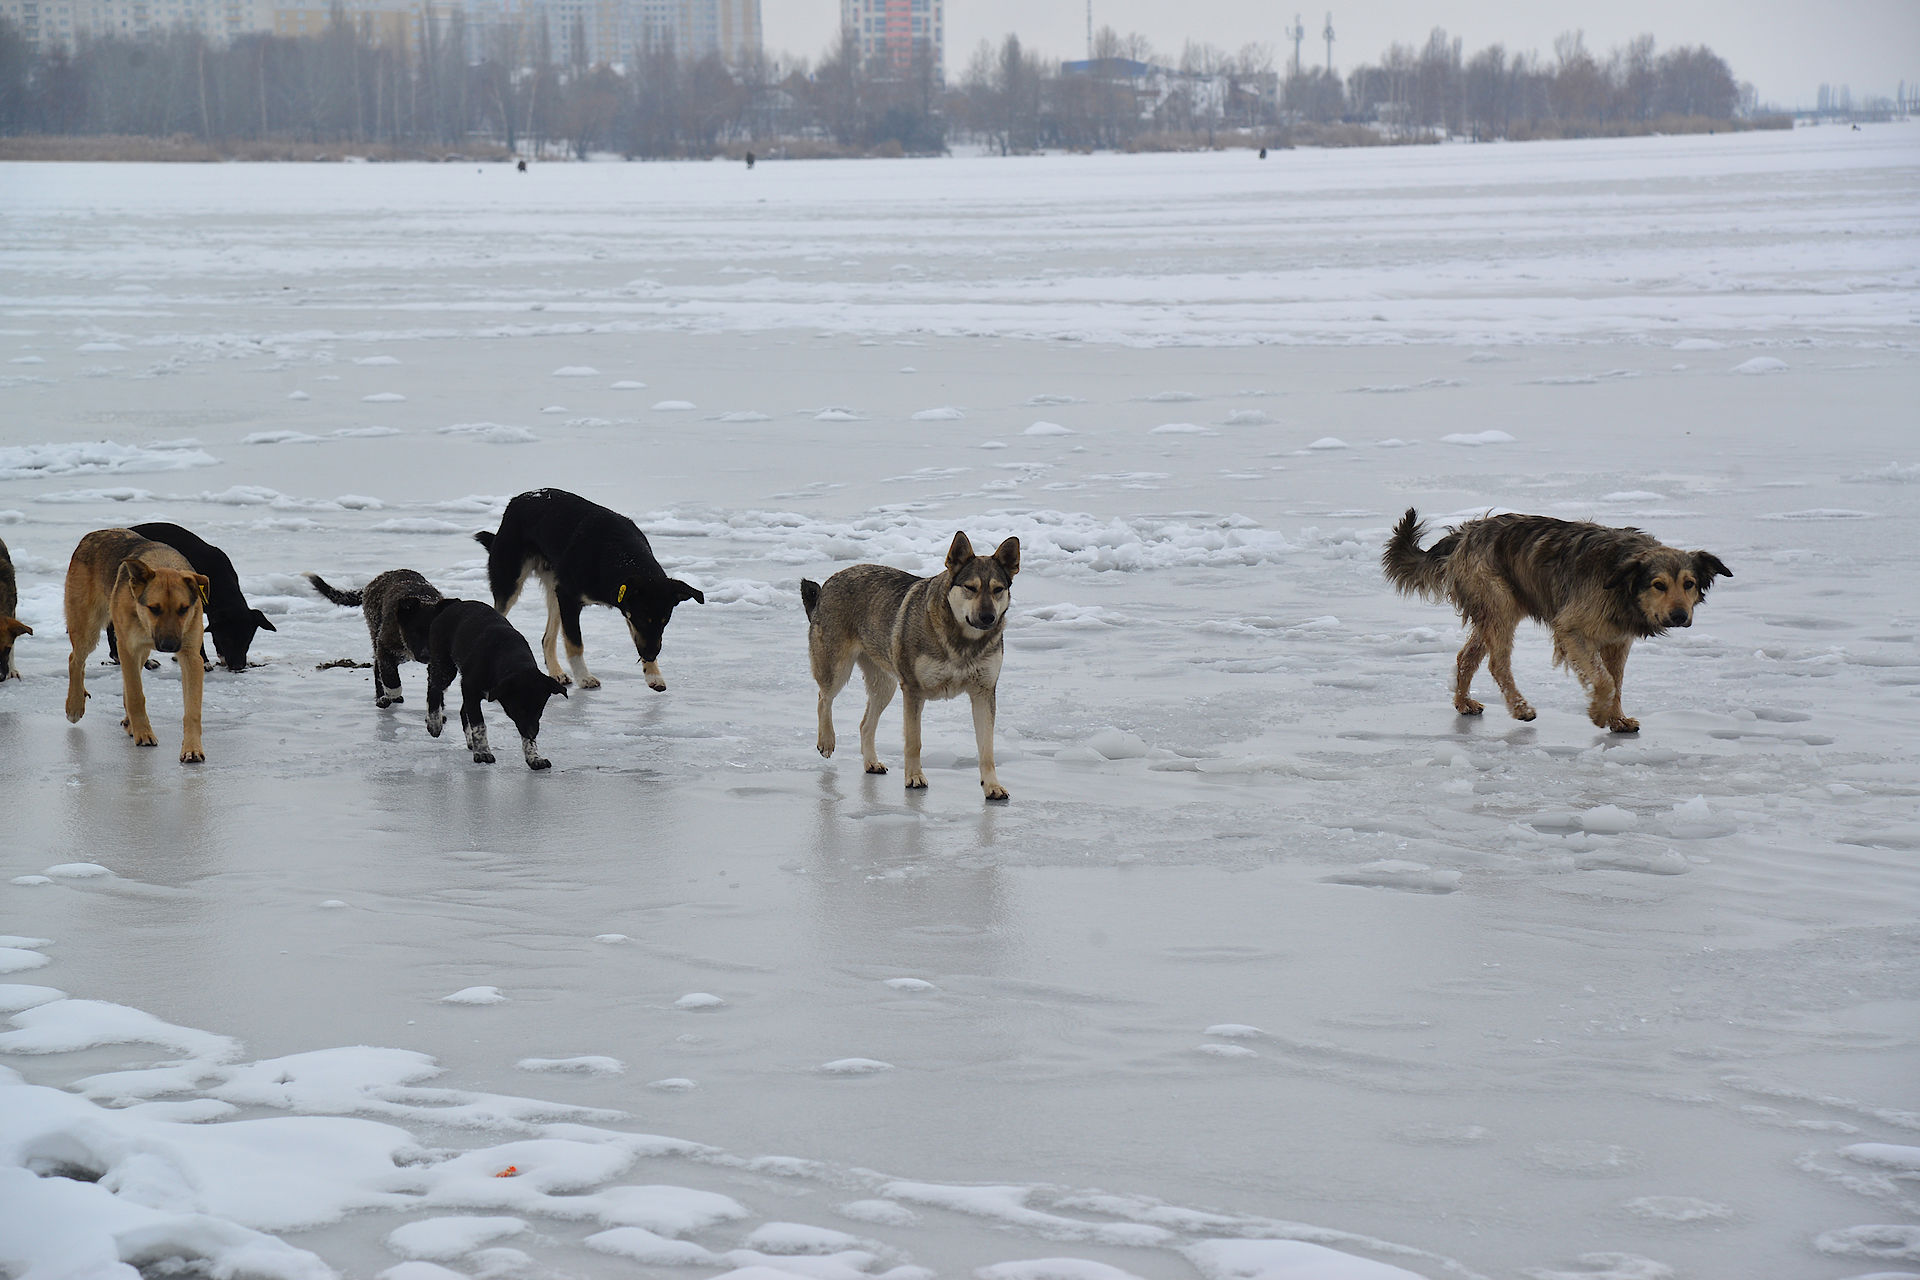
(931, 638)
(156, 602)
(1598, 589)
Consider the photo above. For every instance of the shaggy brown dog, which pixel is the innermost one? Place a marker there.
(1598, 590)
(11, 628)
(156, 602)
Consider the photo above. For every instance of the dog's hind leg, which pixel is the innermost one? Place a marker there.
(1614, 658)
(550, 638)
(439, 676)
(569, 618)
(1464, 668)
(910, 706)
(1500, 663)
(475, 725)
(983, 712)
(386, 678)
(831, 675)
(880, 689)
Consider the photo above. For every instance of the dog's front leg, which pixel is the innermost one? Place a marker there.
(1614, 658)
(476, 727)
(983, 714)
(530, 747)
(193, 682)
(1602, 691)
(910, 704)
(135, 722)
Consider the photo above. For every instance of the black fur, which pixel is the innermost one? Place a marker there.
(809, 596)
(471, 640)
(592, 555)
(232, 622)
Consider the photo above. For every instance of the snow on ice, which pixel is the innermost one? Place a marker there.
(1273, 968)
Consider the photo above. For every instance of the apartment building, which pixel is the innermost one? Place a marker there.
(51, 23)
(889, 31)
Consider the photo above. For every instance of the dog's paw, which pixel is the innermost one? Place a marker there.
(383, 703)
(874, 766)
(1623, 724)
(141, 737)
(483, 757)
(1524, 712)
(825, 747)
(994, 791)
(193, 755)
(151, 664)
(435, 724)
(1468, 707)
(658, 686)
(589, 682)
(916, 781)
(537, 763)
(561, 676)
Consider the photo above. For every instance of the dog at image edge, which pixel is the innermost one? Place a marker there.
(11, 628)
(1598, 589)
(931, 638)
(156, 602)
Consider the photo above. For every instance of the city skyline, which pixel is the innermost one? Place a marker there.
(1785, 48)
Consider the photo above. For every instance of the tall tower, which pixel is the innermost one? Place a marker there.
(1296, 33)
(1328, 33)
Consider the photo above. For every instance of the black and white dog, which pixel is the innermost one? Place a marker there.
(583, 554)
(494, 662)
(233, 621)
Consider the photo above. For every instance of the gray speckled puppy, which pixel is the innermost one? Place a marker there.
(380, 599)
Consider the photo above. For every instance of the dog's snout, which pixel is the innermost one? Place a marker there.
(1679, 618)
(165, 645)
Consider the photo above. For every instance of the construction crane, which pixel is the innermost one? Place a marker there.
(1328, 33)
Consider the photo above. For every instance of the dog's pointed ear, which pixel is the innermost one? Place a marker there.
(138, 572)
(683, 591)
(261, 620)
(959, 551)
(1707, 567)
(13, 627)
(1008, 555)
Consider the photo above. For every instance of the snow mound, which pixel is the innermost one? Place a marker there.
(475, 995)
(854, 1067)
(699, 1000)
(1047, 429)
(672, 406)
(383, 397)
(490, 433)
(945, 413)
(629, 384)
(100, 457)
(576, 371)
(588, 1065)
(1761, 364)
(1476, 438)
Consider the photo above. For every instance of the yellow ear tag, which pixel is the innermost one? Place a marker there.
(621, 598)
(203, 593)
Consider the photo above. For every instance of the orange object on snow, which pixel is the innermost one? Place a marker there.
(511, 1171)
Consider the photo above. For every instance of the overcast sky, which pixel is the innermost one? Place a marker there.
(1786, 48)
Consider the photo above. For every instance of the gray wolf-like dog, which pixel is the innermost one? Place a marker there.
(931, 638)
(380, 600)
(1598, 590)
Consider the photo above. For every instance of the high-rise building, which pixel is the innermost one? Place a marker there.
(53, 23)
(891, 32)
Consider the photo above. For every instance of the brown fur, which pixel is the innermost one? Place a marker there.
(11, 628)
(1598, 589)
(155, 601)
(931, 638)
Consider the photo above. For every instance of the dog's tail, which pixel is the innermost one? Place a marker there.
(1411, 570)
(351, 599)
(484, 538)
(809, 596)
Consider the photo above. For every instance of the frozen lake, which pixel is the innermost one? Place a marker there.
(1273, 966)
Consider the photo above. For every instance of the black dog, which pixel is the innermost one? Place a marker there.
(380, 600)
(471, 640)
(233, 621)
(583, 553)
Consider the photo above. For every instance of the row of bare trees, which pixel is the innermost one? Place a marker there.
(528, 88)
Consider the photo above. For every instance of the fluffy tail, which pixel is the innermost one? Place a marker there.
(351, 599)
(809, 596)
(1411, 570)
(484, 538)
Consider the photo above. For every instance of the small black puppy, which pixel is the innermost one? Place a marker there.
(233, 621)
(494, 663)
(583, 553)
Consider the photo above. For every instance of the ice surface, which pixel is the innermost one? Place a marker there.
(1272, 967)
